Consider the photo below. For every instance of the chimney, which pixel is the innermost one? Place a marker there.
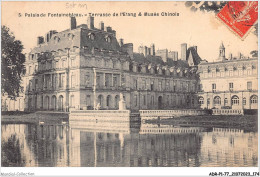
(149, 51)
(101, 26)
(184, 51)
(40, 40)
(121, 42)
(73, 23)
(109, 29)
(230, 56)
(145, 51)
(239, 55)
(90, 22)
(47, 38)
(176, 56)
(152, 49)
(51, 33)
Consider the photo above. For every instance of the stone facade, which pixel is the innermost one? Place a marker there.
(229, 83)
(85, 67)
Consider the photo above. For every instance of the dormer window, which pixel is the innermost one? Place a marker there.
(70, 36)
(91, 36)
(56, 39)
(108, 39)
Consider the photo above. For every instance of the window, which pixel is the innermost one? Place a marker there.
(167, 85)
(30, 69)
(73, 63)
(208, 101)
(200, 87)
(168, 100)
(144, 99)
(249, 85)
(201, 100)
(107, 80)
(143, 84)
(91, 36)
(73, 81)
(98, 80)
(108, 100)
(160, 85)
(225, 101)
(152, 100)
(36, 84)
(63, 64)
(88, 101)
(249, 71)
(253, 99)
(115, 82)
(152, 86)
(235, 100)
(244, 101)
(217, 100)
(72, 101)
(87, 80)
(213, 87)
(108, 39)
(231, 73)
(174, 87)
(136, 101)
(36, 68)
(62, 80)
(231, 86)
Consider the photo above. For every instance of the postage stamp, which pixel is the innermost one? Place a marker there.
(239, 16)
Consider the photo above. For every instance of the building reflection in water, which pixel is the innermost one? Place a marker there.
(104, 144)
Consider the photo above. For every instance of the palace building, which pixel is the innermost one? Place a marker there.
(229, 83)
(84, 67)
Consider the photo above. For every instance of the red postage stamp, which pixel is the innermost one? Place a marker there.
(239, 16)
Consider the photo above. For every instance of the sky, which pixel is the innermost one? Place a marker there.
(194, 28)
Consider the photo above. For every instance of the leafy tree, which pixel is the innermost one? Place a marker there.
(12, 65)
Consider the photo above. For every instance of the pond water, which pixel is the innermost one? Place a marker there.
(97, 144)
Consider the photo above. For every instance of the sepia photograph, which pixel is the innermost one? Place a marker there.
(129, 84)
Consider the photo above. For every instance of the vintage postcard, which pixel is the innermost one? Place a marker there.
(129, 84)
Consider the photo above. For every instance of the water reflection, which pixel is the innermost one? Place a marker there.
(96, 144)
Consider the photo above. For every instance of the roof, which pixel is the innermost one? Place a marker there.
(156, 60)
(196, 58)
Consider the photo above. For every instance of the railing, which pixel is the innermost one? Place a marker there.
(172, 112)
(228, 112)
(101, 111)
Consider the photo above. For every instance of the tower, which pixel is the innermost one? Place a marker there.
(222, 52)
(184, 51)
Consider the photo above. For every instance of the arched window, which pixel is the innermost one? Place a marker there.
(60, 103)
(253, 99)
(53, 102)
(100, 100)
(91, 36)
(235, 100)
(116, 101)
(217, 100)
(201, 100)
(108, 101)
(47, 103)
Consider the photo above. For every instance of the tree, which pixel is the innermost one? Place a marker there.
(12, 66)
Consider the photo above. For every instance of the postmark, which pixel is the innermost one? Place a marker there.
(239, 16)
